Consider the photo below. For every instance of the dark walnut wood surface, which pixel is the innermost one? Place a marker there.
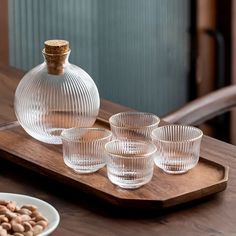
(82, 214)
(9, 79)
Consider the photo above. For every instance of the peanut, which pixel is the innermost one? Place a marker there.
(3, 218)
(43, 223)
(3, 209)
(4, 202)
(17, 208)
(41, 217)
(24, 211)
(16, 219)
(37, 229)
(24, 218)
(3, 232)
(27, 226)
(10, 215)
(18, 228)
(32, 222)
(30, 207)
(35, 214)
(11, 205)
(6, 226)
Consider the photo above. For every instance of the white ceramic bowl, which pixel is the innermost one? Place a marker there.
(45, 208)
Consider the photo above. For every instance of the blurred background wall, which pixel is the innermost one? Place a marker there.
(138, 52)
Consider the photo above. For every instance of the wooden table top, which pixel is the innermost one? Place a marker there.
(82, 214)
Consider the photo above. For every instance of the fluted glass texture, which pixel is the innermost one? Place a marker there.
(84, 148)
(178, 147)
(46, 104)
(130, 162)
(133, 125)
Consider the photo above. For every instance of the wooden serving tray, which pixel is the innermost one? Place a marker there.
(163, 191)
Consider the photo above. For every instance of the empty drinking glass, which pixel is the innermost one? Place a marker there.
(178, 147)
(84, 148)
(130, 162)
(133, 125)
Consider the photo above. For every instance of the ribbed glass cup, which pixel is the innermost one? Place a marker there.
(84, 148)
(178, 147)
(133, 125)
(130, 162)
(46, 104)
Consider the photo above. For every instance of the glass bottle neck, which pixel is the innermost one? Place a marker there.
(56, 63)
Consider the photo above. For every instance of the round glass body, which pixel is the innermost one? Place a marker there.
(46, 104)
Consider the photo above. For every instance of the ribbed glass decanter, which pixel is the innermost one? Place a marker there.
(56, 95)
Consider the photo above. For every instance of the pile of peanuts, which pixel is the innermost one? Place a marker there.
(20, 221)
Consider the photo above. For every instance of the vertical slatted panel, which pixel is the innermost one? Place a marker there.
(34, 21)
(136, 50)
(144, 53)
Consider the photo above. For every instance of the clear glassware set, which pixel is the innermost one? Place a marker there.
(57, 102)
(131, 149)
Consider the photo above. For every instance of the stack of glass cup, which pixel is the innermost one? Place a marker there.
(131, 148)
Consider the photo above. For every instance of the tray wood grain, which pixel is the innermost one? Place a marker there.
(164, 190)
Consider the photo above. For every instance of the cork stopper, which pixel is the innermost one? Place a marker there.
(55, 52)
(56, 46)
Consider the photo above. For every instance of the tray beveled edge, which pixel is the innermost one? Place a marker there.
(217, 187)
